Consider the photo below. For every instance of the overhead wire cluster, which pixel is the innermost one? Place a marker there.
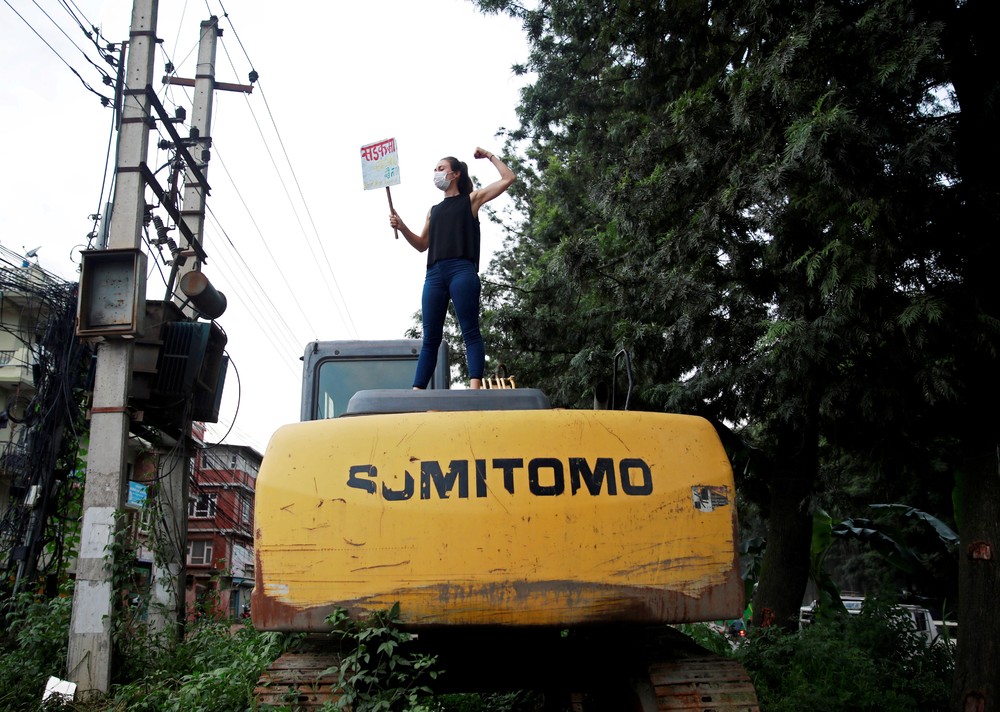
(43, 413)
(105, 50)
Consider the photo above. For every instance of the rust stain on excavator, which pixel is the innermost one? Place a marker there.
(517, 603)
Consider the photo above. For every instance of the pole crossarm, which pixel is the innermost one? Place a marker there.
(168, 123)
(157, 189)
(223, 86)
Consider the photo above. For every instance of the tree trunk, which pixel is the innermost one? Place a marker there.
(978, 660)
(785, 567)
(970, 27)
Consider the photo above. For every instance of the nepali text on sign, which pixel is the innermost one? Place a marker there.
(380, 164)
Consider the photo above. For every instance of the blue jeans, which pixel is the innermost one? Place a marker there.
(458, 281)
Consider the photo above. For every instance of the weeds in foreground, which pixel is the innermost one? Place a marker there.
(872, 661)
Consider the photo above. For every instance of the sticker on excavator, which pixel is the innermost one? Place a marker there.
(549, 517)
(708, 499)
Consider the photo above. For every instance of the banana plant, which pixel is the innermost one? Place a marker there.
(884, 539)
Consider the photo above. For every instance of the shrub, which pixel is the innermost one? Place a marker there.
(33, 648)
(377, 670)
(872, 661)
(213, 669)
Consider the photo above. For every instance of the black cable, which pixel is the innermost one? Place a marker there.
(99, 68)
(275, 323)
(101, 202)
(41, 450)
(254, 78)
(239, 396)
(105, 101)
(96, 37)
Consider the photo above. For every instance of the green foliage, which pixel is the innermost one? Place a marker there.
(377, 670)
(783, 211)
(520, 701)
(923, 552)
(868, 662)
(707, 636)
(32, 647)
(213, 669)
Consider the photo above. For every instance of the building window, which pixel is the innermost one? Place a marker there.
(202, 506)
(147, 517)
(199, 552)
(6, 357)
(245, 509)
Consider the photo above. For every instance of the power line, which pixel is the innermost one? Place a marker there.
(248, 274)
(269, 318)
(105, 101)
(338, 297)
(93, 28)
(100, 69)
(274, 260)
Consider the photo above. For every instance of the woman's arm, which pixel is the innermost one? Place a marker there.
(485, 195)
(420, 242)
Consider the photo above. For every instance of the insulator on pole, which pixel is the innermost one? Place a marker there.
(161, 230)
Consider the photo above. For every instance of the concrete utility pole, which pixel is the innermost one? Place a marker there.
(193, 207)
(89, 658)
(169, 575)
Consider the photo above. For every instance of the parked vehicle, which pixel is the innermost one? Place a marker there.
(931, 630)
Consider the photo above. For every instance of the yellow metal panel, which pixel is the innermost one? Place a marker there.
(524, 517)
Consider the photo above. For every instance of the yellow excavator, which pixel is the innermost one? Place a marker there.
(528, 547)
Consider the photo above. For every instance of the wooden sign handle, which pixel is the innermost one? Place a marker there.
(388, 195)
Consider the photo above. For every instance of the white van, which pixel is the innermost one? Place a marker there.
(932, 631)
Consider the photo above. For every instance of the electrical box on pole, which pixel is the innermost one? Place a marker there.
(112, 293)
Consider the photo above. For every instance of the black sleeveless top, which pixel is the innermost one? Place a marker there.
(454, 231)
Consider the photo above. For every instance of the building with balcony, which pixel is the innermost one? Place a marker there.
(220, 560)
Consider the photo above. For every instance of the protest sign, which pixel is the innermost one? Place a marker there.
(380, 167)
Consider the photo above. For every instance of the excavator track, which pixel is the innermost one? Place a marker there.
(647, 670)
(702, 683)
(666, 671)
(301, 679)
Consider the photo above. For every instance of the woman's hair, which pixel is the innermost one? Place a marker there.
(464, 181)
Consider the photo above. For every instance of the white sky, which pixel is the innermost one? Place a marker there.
(299, 248)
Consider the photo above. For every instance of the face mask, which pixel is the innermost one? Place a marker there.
(440, 181)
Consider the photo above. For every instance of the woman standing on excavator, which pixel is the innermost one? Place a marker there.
(450, 237)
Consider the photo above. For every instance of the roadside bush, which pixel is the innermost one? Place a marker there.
(872, 661)
(213, 669)
(32, 648)
(377, 670)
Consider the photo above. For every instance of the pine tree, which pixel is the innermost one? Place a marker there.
(787, 212)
